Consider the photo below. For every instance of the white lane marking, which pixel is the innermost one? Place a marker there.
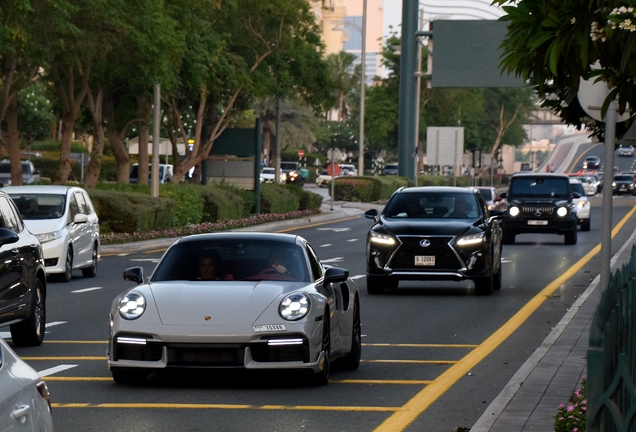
(333, 259)
(334, 229)
(124, 254)
(155, 260)
(7, 335)
(56, 369)
(352, 240)
(325, 245)
(86, 290)
(358, 276)
(54, 323)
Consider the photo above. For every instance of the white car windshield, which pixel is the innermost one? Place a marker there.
(40, 206)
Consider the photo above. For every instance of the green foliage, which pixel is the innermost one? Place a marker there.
(554, 43)
(310, 201)
(132, 211)
(278, 199)
(35, 115)
(54, 146)
(221, 204)
(188, 199)
(249, 200)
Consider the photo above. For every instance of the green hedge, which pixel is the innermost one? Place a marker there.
(277, 199)
(221, 204)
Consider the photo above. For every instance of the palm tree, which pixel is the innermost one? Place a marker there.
(342, 73)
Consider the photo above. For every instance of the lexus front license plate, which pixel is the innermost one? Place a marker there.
(424, 260)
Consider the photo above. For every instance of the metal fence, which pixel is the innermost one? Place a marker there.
(611, 358)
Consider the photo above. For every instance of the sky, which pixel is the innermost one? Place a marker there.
(440, 9)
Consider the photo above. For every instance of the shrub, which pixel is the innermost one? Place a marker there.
(249, 200)
(279, 199)
(220, 204)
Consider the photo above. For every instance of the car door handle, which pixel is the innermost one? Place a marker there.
(20, 413)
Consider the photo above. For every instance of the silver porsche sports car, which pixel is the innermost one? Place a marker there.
(255, 301)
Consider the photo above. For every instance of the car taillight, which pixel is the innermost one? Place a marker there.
(44, 392)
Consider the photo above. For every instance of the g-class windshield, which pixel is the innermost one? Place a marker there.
(539, 187)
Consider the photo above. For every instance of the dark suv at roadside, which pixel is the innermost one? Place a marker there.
(22, 278)
(540, 203)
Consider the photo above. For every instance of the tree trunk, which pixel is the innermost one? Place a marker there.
(13, 142)
(115, 138)
(94, 166)
(70, 104)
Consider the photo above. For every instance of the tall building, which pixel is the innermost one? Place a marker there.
(342, 31)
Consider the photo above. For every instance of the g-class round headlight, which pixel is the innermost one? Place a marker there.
(562, 211)
(514, 211)
(295, 306)
(132, 305)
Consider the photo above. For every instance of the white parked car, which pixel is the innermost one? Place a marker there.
(24, 397)
(166, 173)
(625, 150)
(583, 206)
(64, 220)
(30, 175)
(350, 169)
(268, 175)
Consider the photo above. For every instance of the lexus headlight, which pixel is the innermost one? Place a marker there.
(294, 307)
(562, 211)
(50, 236)
(514, 211)
(471, 239)
(132, 305)
(382, 239)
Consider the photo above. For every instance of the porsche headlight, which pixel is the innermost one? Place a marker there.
(50, 236)
(132, 305)
(382, 239)
(471, 239)
(562, 211)
(514, 211)
(295, 306)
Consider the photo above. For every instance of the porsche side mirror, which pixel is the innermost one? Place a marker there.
(334, 275)
(134, 274)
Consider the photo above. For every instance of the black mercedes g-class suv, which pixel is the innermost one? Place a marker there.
(540, 203)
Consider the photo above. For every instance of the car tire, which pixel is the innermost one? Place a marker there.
(496, 279)
(585, 224)
(31, 331)
(92, 270)
(351, 361)
(570, 237)
(508, 237)
(322, 378)
(484, 285)
(375, 285)
(128, 377)
(68, 267)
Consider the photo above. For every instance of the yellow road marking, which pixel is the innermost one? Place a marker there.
(412, 361)
(317, 224)
(74, 342)
(65, 358)
(422, 400)
(226, 406)
(59, 378)
(421, 345)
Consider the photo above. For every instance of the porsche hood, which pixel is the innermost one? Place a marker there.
(224, 303)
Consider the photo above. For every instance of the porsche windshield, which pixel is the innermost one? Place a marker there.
(235, 260)
(539, 187)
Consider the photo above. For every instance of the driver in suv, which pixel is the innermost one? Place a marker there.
(540, 203)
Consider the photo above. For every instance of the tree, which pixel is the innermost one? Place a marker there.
(554, 43)
(341, 65)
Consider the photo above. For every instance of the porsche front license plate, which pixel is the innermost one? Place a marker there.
(424, 260)
(537, 222)
(269, 328)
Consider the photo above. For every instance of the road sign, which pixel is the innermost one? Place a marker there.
(301, 153)
(335, 167)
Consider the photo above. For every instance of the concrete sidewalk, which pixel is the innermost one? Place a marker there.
(554, 371)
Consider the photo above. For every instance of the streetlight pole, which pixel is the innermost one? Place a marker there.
(363, 67)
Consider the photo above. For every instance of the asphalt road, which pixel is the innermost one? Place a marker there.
(434, 354)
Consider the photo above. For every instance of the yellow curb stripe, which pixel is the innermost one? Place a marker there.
(422, 400)
(227, 406)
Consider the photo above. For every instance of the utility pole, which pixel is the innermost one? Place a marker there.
(363, 64)
(154, 170)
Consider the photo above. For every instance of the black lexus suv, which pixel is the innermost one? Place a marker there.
(540, 203)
